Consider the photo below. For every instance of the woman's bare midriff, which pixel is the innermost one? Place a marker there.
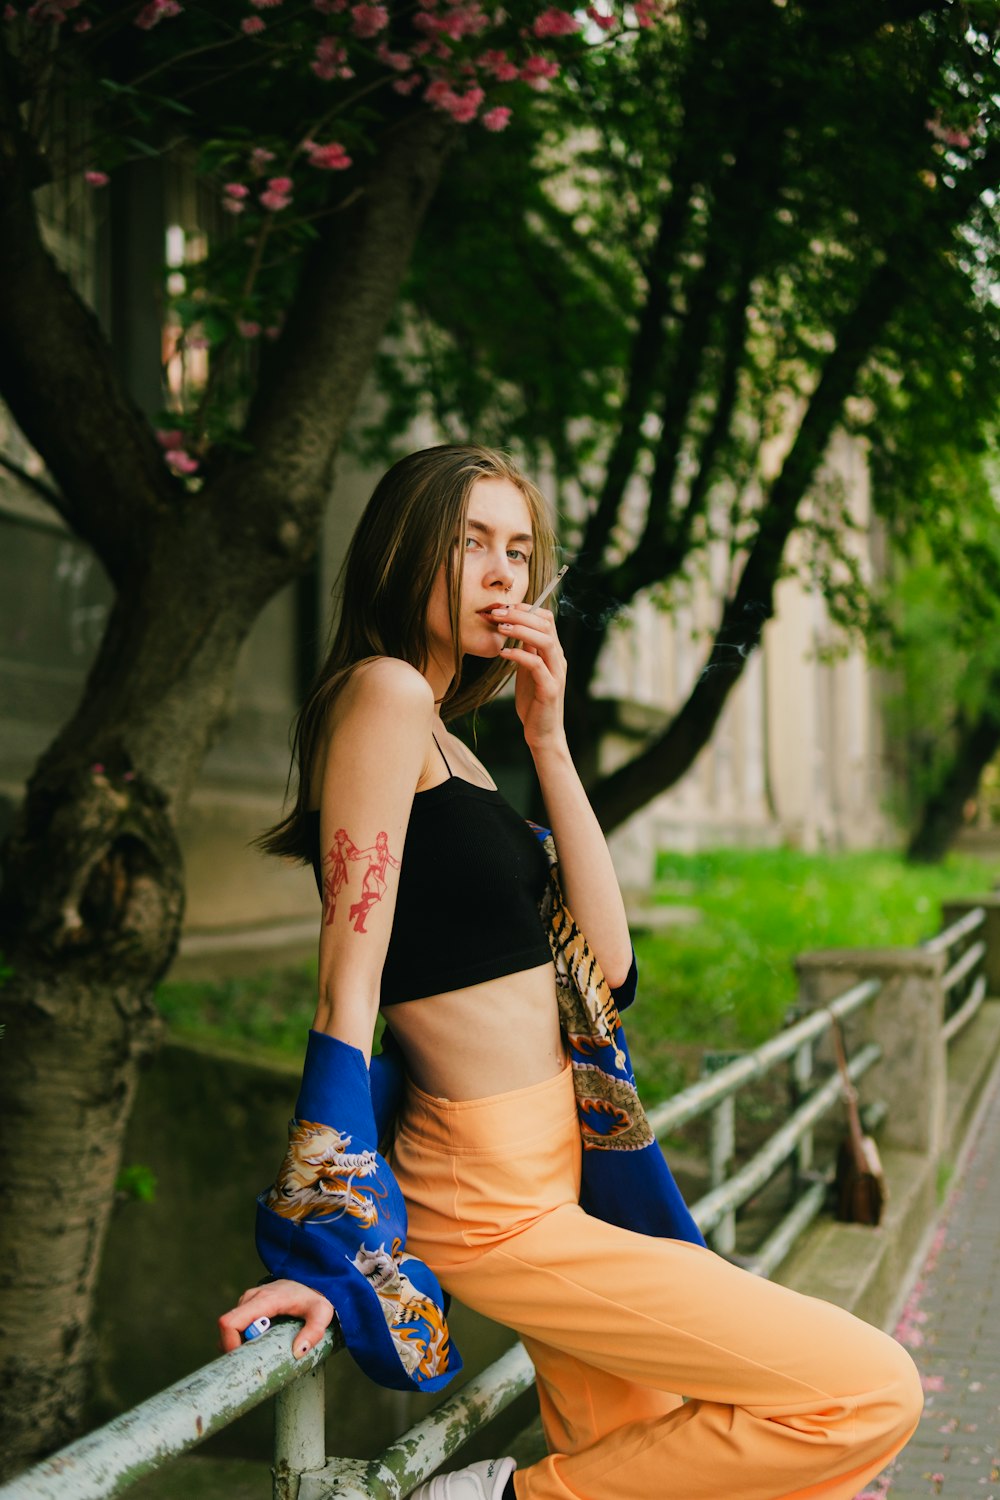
(487, 1039)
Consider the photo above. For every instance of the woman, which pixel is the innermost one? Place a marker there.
(662, 1369)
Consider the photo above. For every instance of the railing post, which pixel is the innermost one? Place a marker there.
(299, 1432)
(721, 1149)
(906, 1020)
(952, 910)
(802, 1072)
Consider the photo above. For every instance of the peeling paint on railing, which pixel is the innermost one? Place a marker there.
(108, 1461)
(426, 1446)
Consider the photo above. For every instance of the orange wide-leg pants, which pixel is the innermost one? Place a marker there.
(786, 1397)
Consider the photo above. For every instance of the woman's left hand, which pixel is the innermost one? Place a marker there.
(540, 684)
(275, 1299)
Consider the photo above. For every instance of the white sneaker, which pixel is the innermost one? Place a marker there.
(482, 1481)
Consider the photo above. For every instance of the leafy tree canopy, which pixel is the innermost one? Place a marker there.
(649, 287)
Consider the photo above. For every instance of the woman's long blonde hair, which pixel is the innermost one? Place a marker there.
(410, 527)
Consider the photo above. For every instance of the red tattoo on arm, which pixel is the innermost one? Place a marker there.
(373, 882)
(336, 878)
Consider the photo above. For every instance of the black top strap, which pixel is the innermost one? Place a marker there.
(443, 756)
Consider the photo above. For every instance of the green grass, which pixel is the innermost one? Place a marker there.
(266, 1016)
(727, 981)
(724, 982)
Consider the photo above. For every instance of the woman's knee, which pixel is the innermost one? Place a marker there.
(898, 1400)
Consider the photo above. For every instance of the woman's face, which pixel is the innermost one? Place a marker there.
(496, 549)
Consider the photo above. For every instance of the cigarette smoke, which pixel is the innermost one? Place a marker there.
(729, 655)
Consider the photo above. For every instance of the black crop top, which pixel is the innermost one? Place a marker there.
(471, 877)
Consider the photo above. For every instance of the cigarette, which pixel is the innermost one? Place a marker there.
(546, 591)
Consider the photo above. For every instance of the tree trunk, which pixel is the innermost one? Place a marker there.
(941, 819)
(89, 920)
(93, 892)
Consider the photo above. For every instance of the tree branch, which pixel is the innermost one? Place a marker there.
(32, 482)
(53, 355)
(666, 759)
(650, 338)
(313, 376)
(658, 563)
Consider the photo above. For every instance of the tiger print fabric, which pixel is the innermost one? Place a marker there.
(611, 1115)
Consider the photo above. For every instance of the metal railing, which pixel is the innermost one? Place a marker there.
(106, 1462)
(716, 1211)
(964, 983)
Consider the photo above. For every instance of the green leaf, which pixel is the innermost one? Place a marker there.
(138, 1182)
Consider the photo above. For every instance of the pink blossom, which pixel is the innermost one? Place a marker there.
(497, 119)
(463, 20)
(247, 329)
(332, 157)
(264, 4)
(466, 107)
(461, 107)
(401, 61)
(49, 10)
(647, 12)
(170, 437)
(252, 25)
(274, 202)
(273, 331)
(236, 190)
(330, 7)
(555, 22)
(96, 179)
(932, 1382)
(9, 13)
(406, 85)
(330, 60)
(97, 768)
(420, 49)
(233, 206)
(537, 72)
(499, 65)
(156, 11)
(180, 461)
(280, 184)
(368, 20)
(606, 23)
(259, 158)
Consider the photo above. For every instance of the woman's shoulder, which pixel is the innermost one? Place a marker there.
(383, 703)
(386, 694)
(387, 681)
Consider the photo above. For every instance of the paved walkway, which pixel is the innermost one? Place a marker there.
(951, 1324)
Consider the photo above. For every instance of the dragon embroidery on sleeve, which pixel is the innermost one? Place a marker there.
(321, 1178)
(416, 1324)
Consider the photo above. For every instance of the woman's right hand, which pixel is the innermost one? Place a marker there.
(273, 1300)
